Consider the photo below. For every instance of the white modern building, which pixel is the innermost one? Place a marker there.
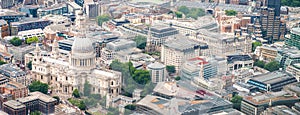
(157, 72)
(32, 33)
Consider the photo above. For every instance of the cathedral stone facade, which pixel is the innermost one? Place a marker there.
(66, 73)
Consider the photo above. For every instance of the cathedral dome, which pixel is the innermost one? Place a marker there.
(82, 45)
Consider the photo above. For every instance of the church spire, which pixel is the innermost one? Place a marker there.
(149, 44)
(55, 49)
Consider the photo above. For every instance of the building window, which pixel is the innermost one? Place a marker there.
(41, 76)
(66, 78)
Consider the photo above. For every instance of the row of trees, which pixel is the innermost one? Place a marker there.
(38, 86)
(292, 3)
(191, 12)
(16, 41)
(271, 66)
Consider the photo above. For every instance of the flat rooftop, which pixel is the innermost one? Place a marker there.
(272, 77)
(13, 85)
(6, 12)
(266, 97)
(36, 96)
(14, 104)
(181, 43)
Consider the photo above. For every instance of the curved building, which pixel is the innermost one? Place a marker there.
(157, 72)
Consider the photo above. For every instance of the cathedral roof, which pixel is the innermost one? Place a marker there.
(82, 45)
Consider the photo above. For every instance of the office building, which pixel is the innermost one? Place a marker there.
(117, 49)
(266, 53)
(28, 24)
(93, 9)
(255, 105)
(158, 32)
(280, 110)
(223, 45)
(156, 105)
(288, 56)
(16, 89)
(272, 27)
(272, 81)
(294, 69)
(174, 52)
(6, 4)
(30, 10)
(10, 15)
(37, 101)
(14, 73)
(235, 62)
(31, 33)
(169, 99)
(294, 39)
(56, 9)
(13, 107)
(276, 4)
(191, 27)
(198, 67)
(19, 52)
(157, 71)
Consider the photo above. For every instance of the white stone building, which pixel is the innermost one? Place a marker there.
(65, 74)
(176, 51)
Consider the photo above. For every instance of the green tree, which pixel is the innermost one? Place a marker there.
(29, 65)
(57, 98)
(33, 39)
(141, 76)
(103, 101)
(130, 107)
(184, 9)
(148, 89)
(2, 62)
(141, 41)
(81, 105)
(171, 69)
(38, 86)
(90, 102)
(255, 44)
(103, 18)
(16, 41)
(178, 14)
(259, 63)
(177, 78)
(76, 93)
(36, 113)
(86, 88)
(292, 3)
(272, 66)
(236, 101)
(230, 12)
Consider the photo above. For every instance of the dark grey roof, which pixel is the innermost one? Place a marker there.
(233, 58)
